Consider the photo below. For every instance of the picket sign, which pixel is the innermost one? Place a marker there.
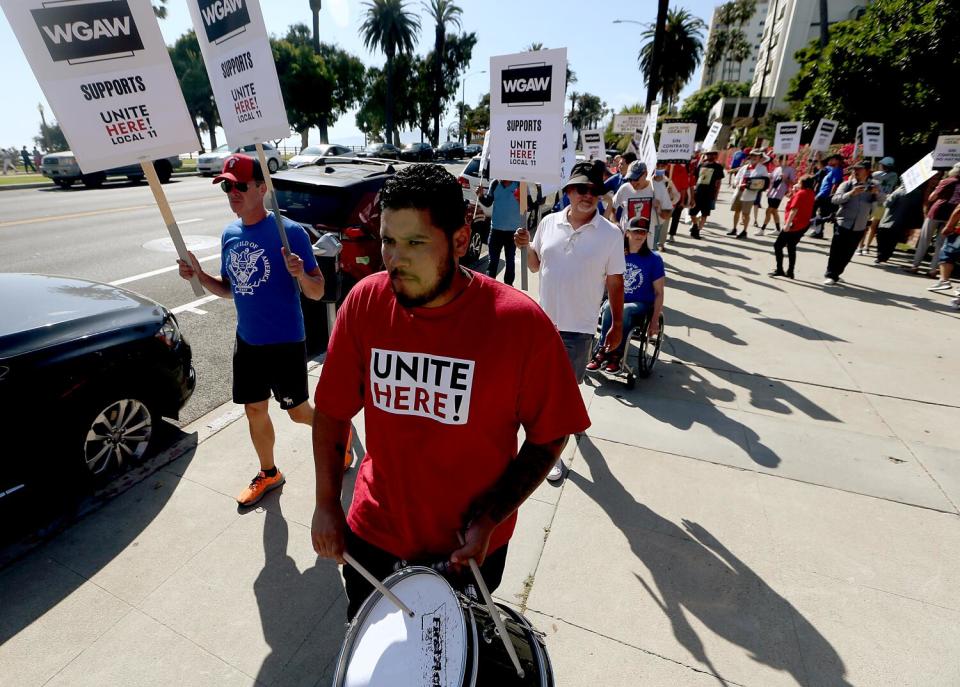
(106, 73)
(712, 135)
(787, 138)
(824, 135)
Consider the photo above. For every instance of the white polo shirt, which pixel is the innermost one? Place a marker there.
(574, 265)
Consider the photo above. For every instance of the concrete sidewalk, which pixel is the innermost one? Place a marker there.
(776, 505)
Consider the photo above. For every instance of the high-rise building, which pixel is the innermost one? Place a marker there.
(791, 25)
(727, 70)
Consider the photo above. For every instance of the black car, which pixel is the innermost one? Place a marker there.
(417, 152)
(341, 197)
(86, 372)
(384, 151)
(450, 150)
(472, 149)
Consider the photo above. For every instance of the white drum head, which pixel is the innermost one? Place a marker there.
(392, 649)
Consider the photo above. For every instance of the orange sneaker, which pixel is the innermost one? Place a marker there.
(258, 488)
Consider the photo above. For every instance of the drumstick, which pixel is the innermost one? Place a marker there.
(495, 612)
(377, 584)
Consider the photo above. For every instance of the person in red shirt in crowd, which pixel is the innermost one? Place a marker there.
(799, 210)
(679, 174)
(447, 365)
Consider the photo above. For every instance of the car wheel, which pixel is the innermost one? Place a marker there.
(164, 170)
(93, 180)
(117, 429)
(273, 165)
(63, 183)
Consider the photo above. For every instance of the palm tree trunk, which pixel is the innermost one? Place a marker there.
(824, 23)
(388, 108)
(212, 131)
(322, 127)
(316, 31)
(438, 83)
(304, 137)
(657, 60)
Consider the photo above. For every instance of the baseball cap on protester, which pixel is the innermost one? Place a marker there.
(587, 173)
(887, 161)
(240, 169)
(639, 224)
(637, 169)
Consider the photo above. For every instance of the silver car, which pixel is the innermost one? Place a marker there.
(63, 170)
(211, 163)
(310, 154)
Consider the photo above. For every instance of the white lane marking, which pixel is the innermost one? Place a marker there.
(153, 273)
(192, 306)
(190, 221)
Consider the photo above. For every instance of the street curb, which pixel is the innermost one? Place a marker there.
(46, 184)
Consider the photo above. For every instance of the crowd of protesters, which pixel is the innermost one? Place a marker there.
(10, 158)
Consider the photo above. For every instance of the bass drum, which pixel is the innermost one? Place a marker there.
(450, 642)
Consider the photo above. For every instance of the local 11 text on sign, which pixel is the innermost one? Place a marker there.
(527, 93)
(243, 75)
(105, 70)
(677, 139)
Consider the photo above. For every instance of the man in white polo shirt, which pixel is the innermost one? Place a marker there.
(578, 254)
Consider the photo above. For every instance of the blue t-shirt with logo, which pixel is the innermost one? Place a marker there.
(268, 304)
(638, 278)
(833, 177)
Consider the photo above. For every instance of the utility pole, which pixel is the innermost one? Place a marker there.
(824, 23)
(654, 85)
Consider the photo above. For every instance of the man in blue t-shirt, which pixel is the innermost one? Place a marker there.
(823, 205)
(505, 220)
(270, 353)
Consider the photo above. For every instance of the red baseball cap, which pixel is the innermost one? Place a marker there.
(240, 169)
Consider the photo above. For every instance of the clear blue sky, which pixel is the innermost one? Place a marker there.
(603, 54)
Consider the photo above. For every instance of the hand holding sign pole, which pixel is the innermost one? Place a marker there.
(527, 92)
(106, 73)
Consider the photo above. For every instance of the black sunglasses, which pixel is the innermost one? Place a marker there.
(228, 186)
(586, 189)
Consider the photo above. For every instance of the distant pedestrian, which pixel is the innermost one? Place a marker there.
(706, 187)
(855, 199)
(902, 211)
(942, 201)
(639, 196)
(8, 155)
(949, 255)
(37, 157)
(798, 212)
(737, 160)
(506, 218)
(752, 180)
(660, 178)
(679, 175)
(781, 181)
(887, 179)
(824, 206)
(27, 162)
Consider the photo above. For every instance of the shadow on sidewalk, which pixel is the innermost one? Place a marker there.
(867, 294)
(691, 573)
(800, 330)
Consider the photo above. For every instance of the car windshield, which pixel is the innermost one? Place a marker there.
(312, 150)
(374, 148)
(222, 149)
(312, 204)
(473, 168)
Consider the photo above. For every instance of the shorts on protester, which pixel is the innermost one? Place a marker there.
(280, 368)
(773, 203)
(703, 204)
(737, 205)
(950, 252)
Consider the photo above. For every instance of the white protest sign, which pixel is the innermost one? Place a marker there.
(106, 73)
(627, 123)
(485, 156)
(527, 93)
(824, 135)
(787, 139)
(677, 140)
(712, 135)
(593, 148)
(568, 157)
(947, 152)
(648, 155)
(872, 138)
(918, 174)
(243, 75)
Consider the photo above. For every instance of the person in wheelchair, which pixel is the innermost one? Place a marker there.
(643, 295)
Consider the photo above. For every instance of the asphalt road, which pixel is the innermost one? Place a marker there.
(114, 234)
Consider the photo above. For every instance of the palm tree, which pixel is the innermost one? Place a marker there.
(160, 10)
(315, 10)
(443, 12)
(391, 28)
(681, 53)
(571, 75)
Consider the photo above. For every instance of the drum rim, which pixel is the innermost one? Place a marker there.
(350, 636)
(539, 648)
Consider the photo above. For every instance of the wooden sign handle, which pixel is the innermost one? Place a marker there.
(274, 205)
(150, 173)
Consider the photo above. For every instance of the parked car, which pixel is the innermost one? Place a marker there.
(86, 372)
(310, 154)
(341, 197)
(210, 164)
(63, 170)
(472, 149)
(384, 151)
(417, 152)
(450, 150)
(469, 179)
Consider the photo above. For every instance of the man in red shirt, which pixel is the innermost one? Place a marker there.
(679, 174)
(447, 365)
(798, 213)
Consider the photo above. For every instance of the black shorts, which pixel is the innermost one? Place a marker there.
(773, 202)
(280, 368)
(703, 203)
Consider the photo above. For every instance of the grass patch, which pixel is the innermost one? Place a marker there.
(525, 594)
(10, 179)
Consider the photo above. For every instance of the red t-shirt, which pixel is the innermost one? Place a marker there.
(802, 201)
(680, 177)
(444, 392)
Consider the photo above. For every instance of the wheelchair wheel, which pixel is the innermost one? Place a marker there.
(649, 351)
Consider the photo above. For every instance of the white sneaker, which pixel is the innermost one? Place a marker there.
(940, 286)
(829, 282)
(861, 252)
(556, 472)
(956, 303)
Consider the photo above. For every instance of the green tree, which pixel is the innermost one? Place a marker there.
(588, 112)
(477, 119)
(910, 46)
(51, 138)
(682, 53)
(195, 84)
(372, 115)
(728, 42)
(391, 28)
(697, 105)
(621, 141)
(442, 12)
(319, 86)
(571, 75)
